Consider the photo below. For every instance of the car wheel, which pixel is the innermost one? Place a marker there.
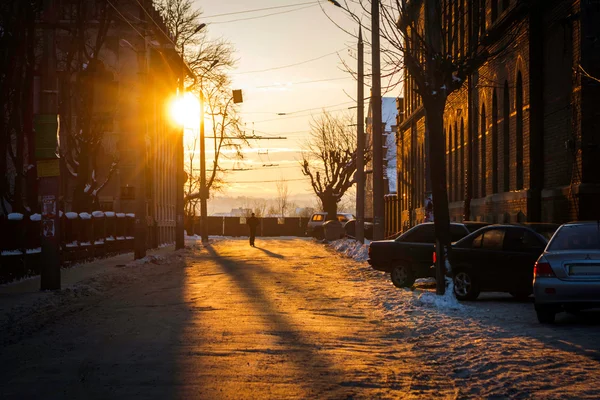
(402, 276)
(545, 314)
(465, 286)
(520, 295)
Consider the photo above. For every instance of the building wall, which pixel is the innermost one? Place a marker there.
(518, 137)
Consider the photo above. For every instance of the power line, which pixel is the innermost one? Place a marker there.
(290, 65)
(304, 82)
(261, 9)
(261, 16)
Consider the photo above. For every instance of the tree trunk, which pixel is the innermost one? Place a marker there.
(434, 114)
(330, 207)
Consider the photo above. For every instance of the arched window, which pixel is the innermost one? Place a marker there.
(462, 160)
(494, 10)
(475, 156)
(506, 139)
(484, 168)
(456, 171)
(448, 135)
(483, 13)
(519, 131)
(494, 148)
(461, 21)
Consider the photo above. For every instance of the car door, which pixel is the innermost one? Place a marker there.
(483, 257)
(420, 248)
(522, 248)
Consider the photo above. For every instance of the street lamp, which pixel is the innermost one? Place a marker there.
(360, 134)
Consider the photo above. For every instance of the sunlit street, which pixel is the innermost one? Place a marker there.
(290, 318)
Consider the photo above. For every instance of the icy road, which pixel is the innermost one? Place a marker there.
(291, 318)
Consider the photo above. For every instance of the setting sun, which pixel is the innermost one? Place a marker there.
(185, 111)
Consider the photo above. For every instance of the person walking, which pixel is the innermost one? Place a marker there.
(252, 224)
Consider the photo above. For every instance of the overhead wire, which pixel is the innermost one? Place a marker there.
(314, 3)
(261, 16)
(290, 65)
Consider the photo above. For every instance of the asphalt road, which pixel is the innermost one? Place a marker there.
(286, 319)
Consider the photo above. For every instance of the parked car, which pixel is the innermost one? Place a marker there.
(350, 229)
(496, 258)
(409, 256)
(314, 227)
(567, 274)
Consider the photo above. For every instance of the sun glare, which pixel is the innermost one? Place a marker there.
(185, 111)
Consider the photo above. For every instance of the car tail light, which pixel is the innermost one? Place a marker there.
(434, 257)
(543, 269)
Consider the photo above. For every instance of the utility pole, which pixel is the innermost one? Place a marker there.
(378, 201)
(179, 183)
(141, 224)
(48, 163)
(203, 188)
(360, 144)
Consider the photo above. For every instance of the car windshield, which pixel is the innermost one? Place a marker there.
(576, 237)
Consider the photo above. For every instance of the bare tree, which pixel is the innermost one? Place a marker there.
(210, 61)
(329, 159)
(260, 207)
(17, 62)
(433, 42)
(88, 99)
(282, 196)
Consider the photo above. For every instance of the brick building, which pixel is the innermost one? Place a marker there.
(523, 133)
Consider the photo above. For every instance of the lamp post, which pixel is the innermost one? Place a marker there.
(360, 133)
(179, 201)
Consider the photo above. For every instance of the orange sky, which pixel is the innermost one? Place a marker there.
(293, 36)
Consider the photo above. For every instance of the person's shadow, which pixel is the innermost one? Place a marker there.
(269, 253)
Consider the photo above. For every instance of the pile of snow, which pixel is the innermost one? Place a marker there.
(120, 215)
(72, 215)
(35, 217)
(34, 251)
(11, 252)
(130, 215)
(352, 248)
(15, 217)
(154, 259)
(85, 215)
(97, 214)
(447, 301)
(109, 214)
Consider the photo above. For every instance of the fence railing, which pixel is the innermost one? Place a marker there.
(83, 237)
(236, 226)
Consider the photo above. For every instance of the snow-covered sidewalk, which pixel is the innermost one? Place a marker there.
(490, 348)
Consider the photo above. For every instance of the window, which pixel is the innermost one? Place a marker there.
(462, 160)
(494, 10)
(420, 234)
(521, 240)
(506, 139)
(318, 217)
(457, 232)
(493, 239)
(475, 157)
(494, 149)
(519, 131)
(484, 168)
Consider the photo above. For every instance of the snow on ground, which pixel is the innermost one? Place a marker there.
(490, 348)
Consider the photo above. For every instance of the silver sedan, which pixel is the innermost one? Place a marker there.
(566, 276)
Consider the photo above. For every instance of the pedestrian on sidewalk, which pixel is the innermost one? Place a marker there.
(252, 224)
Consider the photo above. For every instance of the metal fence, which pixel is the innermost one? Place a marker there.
(83, 237)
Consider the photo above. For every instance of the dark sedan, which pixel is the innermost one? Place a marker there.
(496, 258)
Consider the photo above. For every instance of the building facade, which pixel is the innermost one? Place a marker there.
(522, 134)
(138, 146)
